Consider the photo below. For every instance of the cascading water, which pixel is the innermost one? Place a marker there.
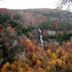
(41, 40)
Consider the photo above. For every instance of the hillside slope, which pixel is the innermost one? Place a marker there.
(33, 17)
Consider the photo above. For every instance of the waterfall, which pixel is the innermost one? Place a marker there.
(41, 40)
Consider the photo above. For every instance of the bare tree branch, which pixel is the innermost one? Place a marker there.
(62, 3)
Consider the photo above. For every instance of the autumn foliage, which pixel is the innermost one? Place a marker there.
(27, 55)
(40, 60)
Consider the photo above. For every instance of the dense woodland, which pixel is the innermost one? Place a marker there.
(20, 48)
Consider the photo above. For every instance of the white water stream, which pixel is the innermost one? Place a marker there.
(41, 38)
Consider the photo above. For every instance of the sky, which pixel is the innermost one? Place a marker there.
(28, 4)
